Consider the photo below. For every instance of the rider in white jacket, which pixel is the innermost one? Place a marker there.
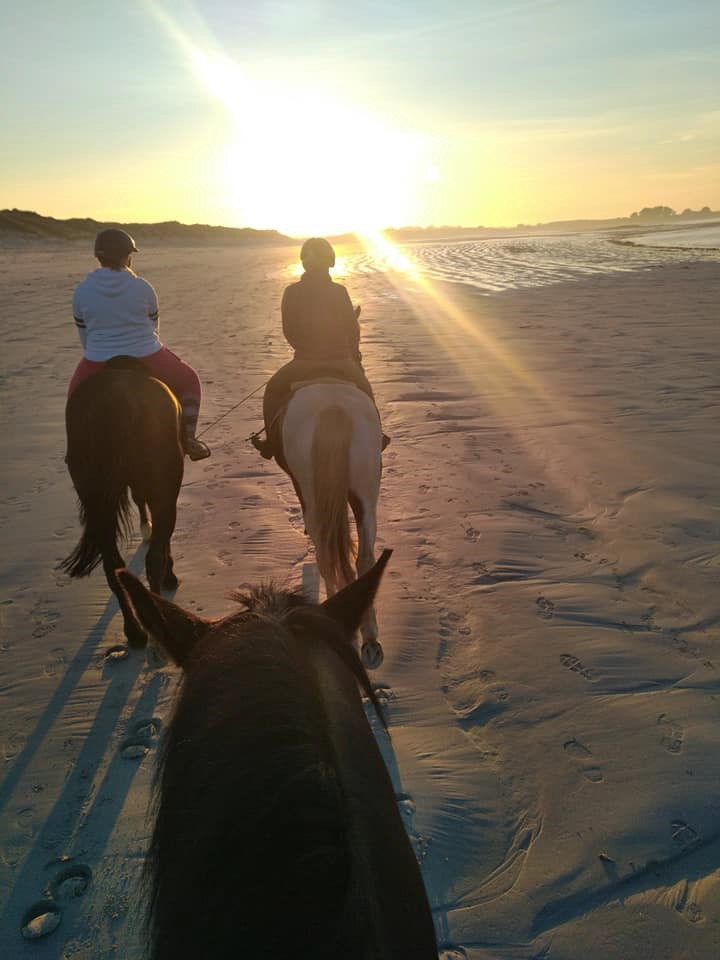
(116, 313)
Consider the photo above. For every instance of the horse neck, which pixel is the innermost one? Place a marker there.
(385, 866)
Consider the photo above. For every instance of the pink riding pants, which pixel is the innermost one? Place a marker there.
(165, 365)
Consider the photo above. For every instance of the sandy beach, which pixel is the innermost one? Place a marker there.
(550, 617)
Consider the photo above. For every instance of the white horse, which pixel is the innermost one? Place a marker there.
(332, 443)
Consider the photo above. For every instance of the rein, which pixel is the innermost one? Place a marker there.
(234, 407)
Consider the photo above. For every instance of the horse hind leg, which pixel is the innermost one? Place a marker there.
(371, 651)
(145, 521)
(134, 633)
(159, 562)
(311, 528)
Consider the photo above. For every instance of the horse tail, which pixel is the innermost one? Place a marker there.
(99, 463)
(331, 485)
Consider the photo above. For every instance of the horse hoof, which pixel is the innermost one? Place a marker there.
(372, 655)
(146, 530)
(171, 582)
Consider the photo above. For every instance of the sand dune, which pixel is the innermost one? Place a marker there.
(551, 615)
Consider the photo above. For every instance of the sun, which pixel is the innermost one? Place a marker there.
(300, 159)
(339, 177)
(305, 164)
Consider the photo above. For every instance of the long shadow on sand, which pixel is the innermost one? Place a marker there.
(74, 835)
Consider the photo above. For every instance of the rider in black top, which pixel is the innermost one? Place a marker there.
(321, 325)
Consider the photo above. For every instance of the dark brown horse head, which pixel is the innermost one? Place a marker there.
(272, 794)
(178, 630)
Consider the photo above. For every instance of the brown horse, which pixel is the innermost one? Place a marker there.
(123, 436)
(274, 804)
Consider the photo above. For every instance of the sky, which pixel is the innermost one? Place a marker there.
(317, 116)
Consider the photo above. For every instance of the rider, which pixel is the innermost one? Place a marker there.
(321, 325)
(116, 313)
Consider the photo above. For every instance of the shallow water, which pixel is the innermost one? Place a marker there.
(499, 264)
(689, 238)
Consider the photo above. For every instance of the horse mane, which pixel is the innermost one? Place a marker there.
(293, 608)
(250, 809)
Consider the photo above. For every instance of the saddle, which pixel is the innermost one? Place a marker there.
(127, 364)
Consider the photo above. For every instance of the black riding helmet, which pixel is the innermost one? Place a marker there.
(317, 254)
(114, 244)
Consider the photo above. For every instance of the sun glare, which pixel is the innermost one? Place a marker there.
(325, 169)
(300, 159)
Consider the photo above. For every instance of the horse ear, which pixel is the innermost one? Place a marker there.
(349, 605)
(175, 629)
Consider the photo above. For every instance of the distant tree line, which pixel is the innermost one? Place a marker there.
(661, 214)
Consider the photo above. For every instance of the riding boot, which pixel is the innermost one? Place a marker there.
(264, 447)
(194, 448)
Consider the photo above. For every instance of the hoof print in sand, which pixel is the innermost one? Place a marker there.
(71, 882)
(580, 752)
(682, 834)
(545, 608)
(116, 654)
(406, 805)
(372, 655)
(693, 913)
(383, 694)
(572, 663)
(40, 920)
(672, 734)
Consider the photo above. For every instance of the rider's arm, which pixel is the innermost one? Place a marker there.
(79, 321)
(288, 309)
(153, 310)
(349, 316)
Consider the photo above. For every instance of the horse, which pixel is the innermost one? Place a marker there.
(271, 797)
(331, 444)
(123, 434)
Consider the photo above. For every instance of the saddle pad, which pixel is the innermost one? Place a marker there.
(299, 384)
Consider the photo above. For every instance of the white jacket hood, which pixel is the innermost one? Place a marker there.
(110, 283)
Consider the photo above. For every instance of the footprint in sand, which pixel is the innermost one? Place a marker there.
(138, 744)
(56, 658)
(683, 834)
(545, 608)
(384, 694)
(672, 734)
(572, 663)
(581, 753)
(693, 913)
(45, 620)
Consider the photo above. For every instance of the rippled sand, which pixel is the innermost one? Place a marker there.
(499, 264)
(551, 615)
